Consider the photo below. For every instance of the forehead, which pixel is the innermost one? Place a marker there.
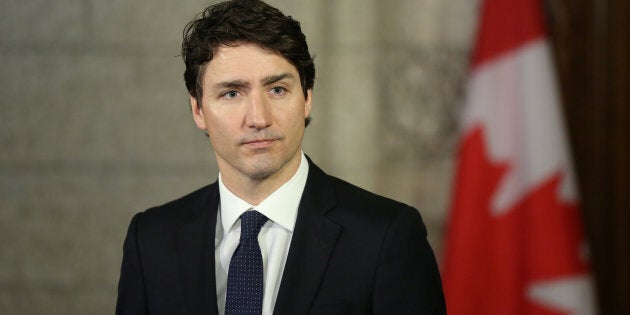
(245, 62)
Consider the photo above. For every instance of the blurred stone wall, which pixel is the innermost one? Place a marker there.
(95, 125)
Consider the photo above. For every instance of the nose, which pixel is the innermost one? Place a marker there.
(258, 112)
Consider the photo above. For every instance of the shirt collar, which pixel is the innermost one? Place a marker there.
(280, 207)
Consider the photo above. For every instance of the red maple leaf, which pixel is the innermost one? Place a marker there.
(492, 259)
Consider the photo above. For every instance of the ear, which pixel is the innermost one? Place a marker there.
(197, 112)
(309, 103)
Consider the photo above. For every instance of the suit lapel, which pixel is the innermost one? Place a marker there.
(312, 244)
(195, 246)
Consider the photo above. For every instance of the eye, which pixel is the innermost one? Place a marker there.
(229, 94)
(278, 90)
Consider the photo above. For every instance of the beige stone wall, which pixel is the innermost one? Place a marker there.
(95, 125)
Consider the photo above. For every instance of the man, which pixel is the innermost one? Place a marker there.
(274, 234)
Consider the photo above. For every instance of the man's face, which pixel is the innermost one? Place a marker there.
(253, 109)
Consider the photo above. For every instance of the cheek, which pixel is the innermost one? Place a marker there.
(296, 126)
(218, 131)
(226, 116)
(221, 121)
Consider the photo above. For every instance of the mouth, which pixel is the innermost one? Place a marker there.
(260, 143)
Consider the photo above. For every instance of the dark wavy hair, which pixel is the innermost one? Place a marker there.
(243, 21)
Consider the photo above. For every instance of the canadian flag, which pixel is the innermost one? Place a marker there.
(515, 243)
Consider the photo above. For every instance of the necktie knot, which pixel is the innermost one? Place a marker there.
(251, 223)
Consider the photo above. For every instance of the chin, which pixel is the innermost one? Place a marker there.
(262, 166)
(260, 170)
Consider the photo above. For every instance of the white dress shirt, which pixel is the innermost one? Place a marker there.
(281, 209)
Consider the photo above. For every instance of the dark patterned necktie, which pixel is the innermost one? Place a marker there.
(245, 276)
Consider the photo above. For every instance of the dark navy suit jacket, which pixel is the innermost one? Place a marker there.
(352, 252)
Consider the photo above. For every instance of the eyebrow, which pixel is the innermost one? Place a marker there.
(275, 78)
(265, 81)
(231, 84)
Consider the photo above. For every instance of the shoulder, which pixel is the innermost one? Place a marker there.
(347, 192)
(355, 206)
(180, 209)
(351, 190)
(370, 204)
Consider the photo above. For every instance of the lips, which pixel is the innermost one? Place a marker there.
(261, 143)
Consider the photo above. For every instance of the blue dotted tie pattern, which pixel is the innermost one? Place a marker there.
(245, 276)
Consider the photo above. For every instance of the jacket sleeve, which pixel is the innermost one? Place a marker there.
(131, 292)
(407, 278)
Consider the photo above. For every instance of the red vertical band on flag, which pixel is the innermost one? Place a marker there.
(505, 25)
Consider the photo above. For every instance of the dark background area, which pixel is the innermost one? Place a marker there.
(591, 40)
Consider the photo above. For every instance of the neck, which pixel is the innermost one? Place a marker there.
(255, 190)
